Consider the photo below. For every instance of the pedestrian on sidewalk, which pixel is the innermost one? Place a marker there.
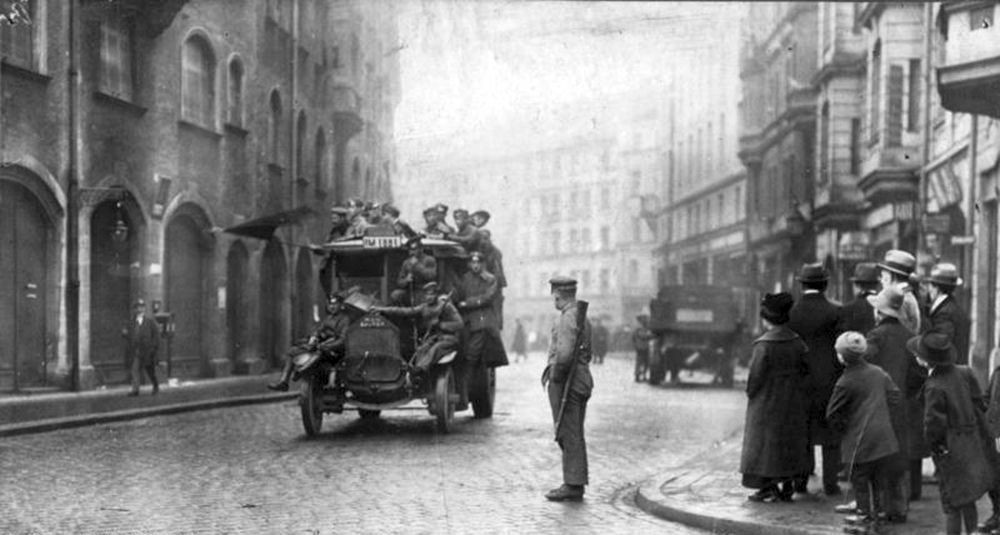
(861, 411)
(142, 341)
(887, 350)
(944, 315)
(569, 384)
(955, 430)
(642, 336)
(519, 344)
(815, 318)
(775, 440)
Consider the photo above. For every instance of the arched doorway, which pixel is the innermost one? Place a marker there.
(272, 299)
(236, 303)
(305, 297)
(114, 257)
(26, 238)
(186, 255)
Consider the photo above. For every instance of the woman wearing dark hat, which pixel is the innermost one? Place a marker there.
(775, 443)
(955, 430)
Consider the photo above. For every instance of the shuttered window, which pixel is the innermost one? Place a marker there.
(913, 97)
(894, 133)
(116, 59)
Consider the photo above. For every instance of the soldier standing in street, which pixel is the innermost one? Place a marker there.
(142, 339)
(569, 383)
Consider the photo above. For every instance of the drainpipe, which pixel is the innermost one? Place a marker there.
(293, 144)
(926, 148)
(72, 194)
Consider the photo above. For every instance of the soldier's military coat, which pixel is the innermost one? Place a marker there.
(564, 353)
(476, 294)
(420, 269)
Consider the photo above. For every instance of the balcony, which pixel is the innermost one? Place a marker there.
(969, 79)
(155, 15)
(891, 174)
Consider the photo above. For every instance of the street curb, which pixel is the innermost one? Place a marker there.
(674, 513)
(54, 424)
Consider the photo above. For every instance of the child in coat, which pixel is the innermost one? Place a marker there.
(955, 431)
(860, 411)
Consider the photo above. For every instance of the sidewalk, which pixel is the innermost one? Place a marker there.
(706, 493)
(33, 413)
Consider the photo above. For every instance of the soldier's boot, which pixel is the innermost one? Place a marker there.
(565, 493)
(286, 375)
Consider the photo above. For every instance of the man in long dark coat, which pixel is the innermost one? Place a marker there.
(142, 340)
(569, 354)
(858, 315)
(477, 290)
(815, 319)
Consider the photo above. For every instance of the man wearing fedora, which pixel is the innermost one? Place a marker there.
(858, 315)
(815, 319)
(142, 341)
(895, 269)
(944, 315)
(887, 350)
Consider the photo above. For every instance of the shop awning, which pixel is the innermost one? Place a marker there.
(263, 228)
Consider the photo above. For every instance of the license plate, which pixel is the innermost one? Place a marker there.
(382, 242)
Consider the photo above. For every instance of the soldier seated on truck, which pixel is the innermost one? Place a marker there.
(328, 337)
(440, 323)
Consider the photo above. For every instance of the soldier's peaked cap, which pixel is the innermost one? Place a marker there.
(431, 286)
(342, 210)
(481, 213)
(459, 211)
(563, 283)
(476, 255)
(442, 208)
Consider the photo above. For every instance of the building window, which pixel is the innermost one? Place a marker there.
(738, 203)
(894, 118)
(574, 240)
(875, 96)
(855, 145)
(198, 82)
(913, 94)
(320, 171)
(605, 281)
(274, 128)
(236, 92)
(633, 271)
(300, 143)
(17, 39)
(722, 208)
(555, 242)
(636, 230)
(585, 240)
(824, 144)
(605, 238)
(981, 19)
(116, 58)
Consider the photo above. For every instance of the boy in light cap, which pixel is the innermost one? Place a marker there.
(860, 412)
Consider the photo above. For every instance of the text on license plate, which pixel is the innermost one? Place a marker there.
(382, 242)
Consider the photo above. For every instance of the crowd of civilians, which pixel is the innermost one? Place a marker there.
(879, 384)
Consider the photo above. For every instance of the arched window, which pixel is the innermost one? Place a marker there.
(274, 127)
(300, 142)
(198, 82)
(320, 171)
(236, 92)
(116, 58)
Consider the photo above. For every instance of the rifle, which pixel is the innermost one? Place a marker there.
(581, 324)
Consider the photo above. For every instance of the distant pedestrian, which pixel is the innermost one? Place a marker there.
(815, 319)
(944, 315)
(775, 443)
(142, 341)
(569, 384)
(641, 338)
(858, 315)
(861, 411)
(519, 345)
(955, 430)
(600, 341)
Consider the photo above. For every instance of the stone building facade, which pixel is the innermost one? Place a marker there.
(154, 127)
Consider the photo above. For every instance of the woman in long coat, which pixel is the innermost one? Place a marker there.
(955, 430)
(775, 437)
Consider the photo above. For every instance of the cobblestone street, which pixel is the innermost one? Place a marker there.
(250, 469)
